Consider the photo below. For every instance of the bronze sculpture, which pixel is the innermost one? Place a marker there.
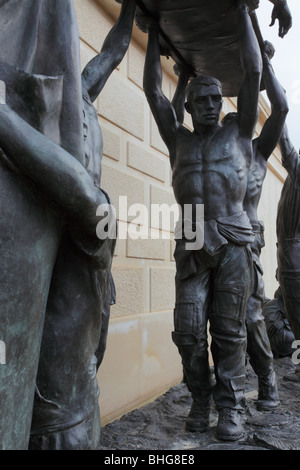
(258, 345)
(279, 331)
(66, 413)
(288, 236)
(47, 219)
(203, 35)
(281, 12)
(214, 282)
(30, 226)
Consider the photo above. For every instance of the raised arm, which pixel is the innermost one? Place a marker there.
(178, 101)
(285, 144)
(272, 129)
(162, 109)
(252, 69)
(290, 158)
(98, 70)
(281, 12)
(53, 170)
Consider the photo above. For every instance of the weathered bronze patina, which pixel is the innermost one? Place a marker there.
(203, 35)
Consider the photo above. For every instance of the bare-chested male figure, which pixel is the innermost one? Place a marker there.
(210, 167)
(258, 344)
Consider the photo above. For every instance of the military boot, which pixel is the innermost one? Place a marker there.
(268, 398)
(198, 418)
(229, 427)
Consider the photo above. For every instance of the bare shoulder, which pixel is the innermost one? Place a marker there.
(184, 132)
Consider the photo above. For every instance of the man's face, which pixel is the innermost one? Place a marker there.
(205, 105)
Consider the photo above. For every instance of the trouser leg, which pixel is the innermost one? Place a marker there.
(197, 377)
(261, 356)
(258, 344)
(291, 295)
(190, 336)
(194, 357)
(288, 255)
(232, 288)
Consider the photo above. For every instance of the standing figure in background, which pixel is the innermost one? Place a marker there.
(213, 282)
(288, 237)
(279, 331)
(258, 345)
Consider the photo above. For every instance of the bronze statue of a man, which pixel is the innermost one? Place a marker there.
(210, 167)
(288, 236)
(258, 344)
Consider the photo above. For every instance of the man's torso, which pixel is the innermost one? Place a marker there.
(211, 171)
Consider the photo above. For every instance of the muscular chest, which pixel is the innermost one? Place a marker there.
(189, 153)
(225, 157)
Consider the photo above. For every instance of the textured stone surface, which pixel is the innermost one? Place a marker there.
(160, 425)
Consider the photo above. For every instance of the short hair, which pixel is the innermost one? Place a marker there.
(229, 117)
(202, 80)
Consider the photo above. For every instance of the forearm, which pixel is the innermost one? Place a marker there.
(152, 81)
(179, 95)
(285, 144)
(117, 41)
(161, 108)
(275, 91)
(252, 70)
(250, 53)
(272, 129)
(112, 52)
(57, 173)
(278, 2)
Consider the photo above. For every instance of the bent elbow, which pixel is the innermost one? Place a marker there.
(253, 69)
(153, 95)
(254, 75)
(284, 108)
(281, 108)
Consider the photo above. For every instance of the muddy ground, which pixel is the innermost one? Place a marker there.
(160, 425)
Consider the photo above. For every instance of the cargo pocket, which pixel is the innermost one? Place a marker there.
(185, 317)
(184, 339)
(227, 313)
(238, 386)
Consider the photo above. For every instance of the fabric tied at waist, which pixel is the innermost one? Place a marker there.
(259, 240)
(235, 229)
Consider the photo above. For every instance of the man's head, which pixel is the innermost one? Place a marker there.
(204, 100)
